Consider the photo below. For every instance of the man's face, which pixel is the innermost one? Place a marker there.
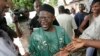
(81, 7)
(96, 7)
(37, 6)
(46, 19)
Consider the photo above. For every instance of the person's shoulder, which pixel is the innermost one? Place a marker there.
(70, 16)
(59, 28)
(34, 19)
(84, 13)
(76, 14)
(58, 16)
(36, 30)
(2, 32)
(87, 17)
(36, 34)
(98, 18)
(36, 16)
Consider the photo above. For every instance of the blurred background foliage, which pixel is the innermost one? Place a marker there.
(53, 2)
(29, 3)
(23, 4)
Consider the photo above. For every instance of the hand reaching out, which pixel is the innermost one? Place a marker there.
(62, 53)
(75, 44)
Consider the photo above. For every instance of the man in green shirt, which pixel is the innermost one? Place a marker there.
(48, 39)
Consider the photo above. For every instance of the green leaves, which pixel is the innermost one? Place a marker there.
(23, 4)
(29, 3)
(53, 2)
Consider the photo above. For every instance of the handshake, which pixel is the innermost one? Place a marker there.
(74, 45)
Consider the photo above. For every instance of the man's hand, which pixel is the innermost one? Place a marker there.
(75, 44)
(62, 53)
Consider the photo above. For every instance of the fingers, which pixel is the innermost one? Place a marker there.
(61, 49)
(74, 45)
(70, 47)
(62, 53)
(58, 54)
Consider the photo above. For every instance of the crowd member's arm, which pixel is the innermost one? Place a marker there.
(79, 43)
(82, 26)
(18, 30)
(92, 43)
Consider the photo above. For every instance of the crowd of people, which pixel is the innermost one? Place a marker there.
(70, 33)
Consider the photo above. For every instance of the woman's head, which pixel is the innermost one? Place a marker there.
(46, 16)
(95, 7)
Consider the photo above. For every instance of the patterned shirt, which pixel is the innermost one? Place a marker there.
(44, 43)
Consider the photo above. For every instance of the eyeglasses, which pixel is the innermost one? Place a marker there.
(45, 18)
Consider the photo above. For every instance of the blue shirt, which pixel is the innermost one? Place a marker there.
(79, 17)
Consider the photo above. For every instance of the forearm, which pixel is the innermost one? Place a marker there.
(92, 43)
(81, 30)
(18, 30)
(82, 26)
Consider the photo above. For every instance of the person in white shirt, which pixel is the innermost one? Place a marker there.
(89, 38)
(66, 21)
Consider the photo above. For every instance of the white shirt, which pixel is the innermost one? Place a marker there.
(67, 22)
(73, 15)
(8, 18)
(7, 47)
(93, 31)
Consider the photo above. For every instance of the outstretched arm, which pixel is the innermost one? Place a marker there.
(79, 43)
(92, 43)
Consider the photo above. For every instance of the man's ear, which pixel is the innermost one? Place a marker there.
(54, 18)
